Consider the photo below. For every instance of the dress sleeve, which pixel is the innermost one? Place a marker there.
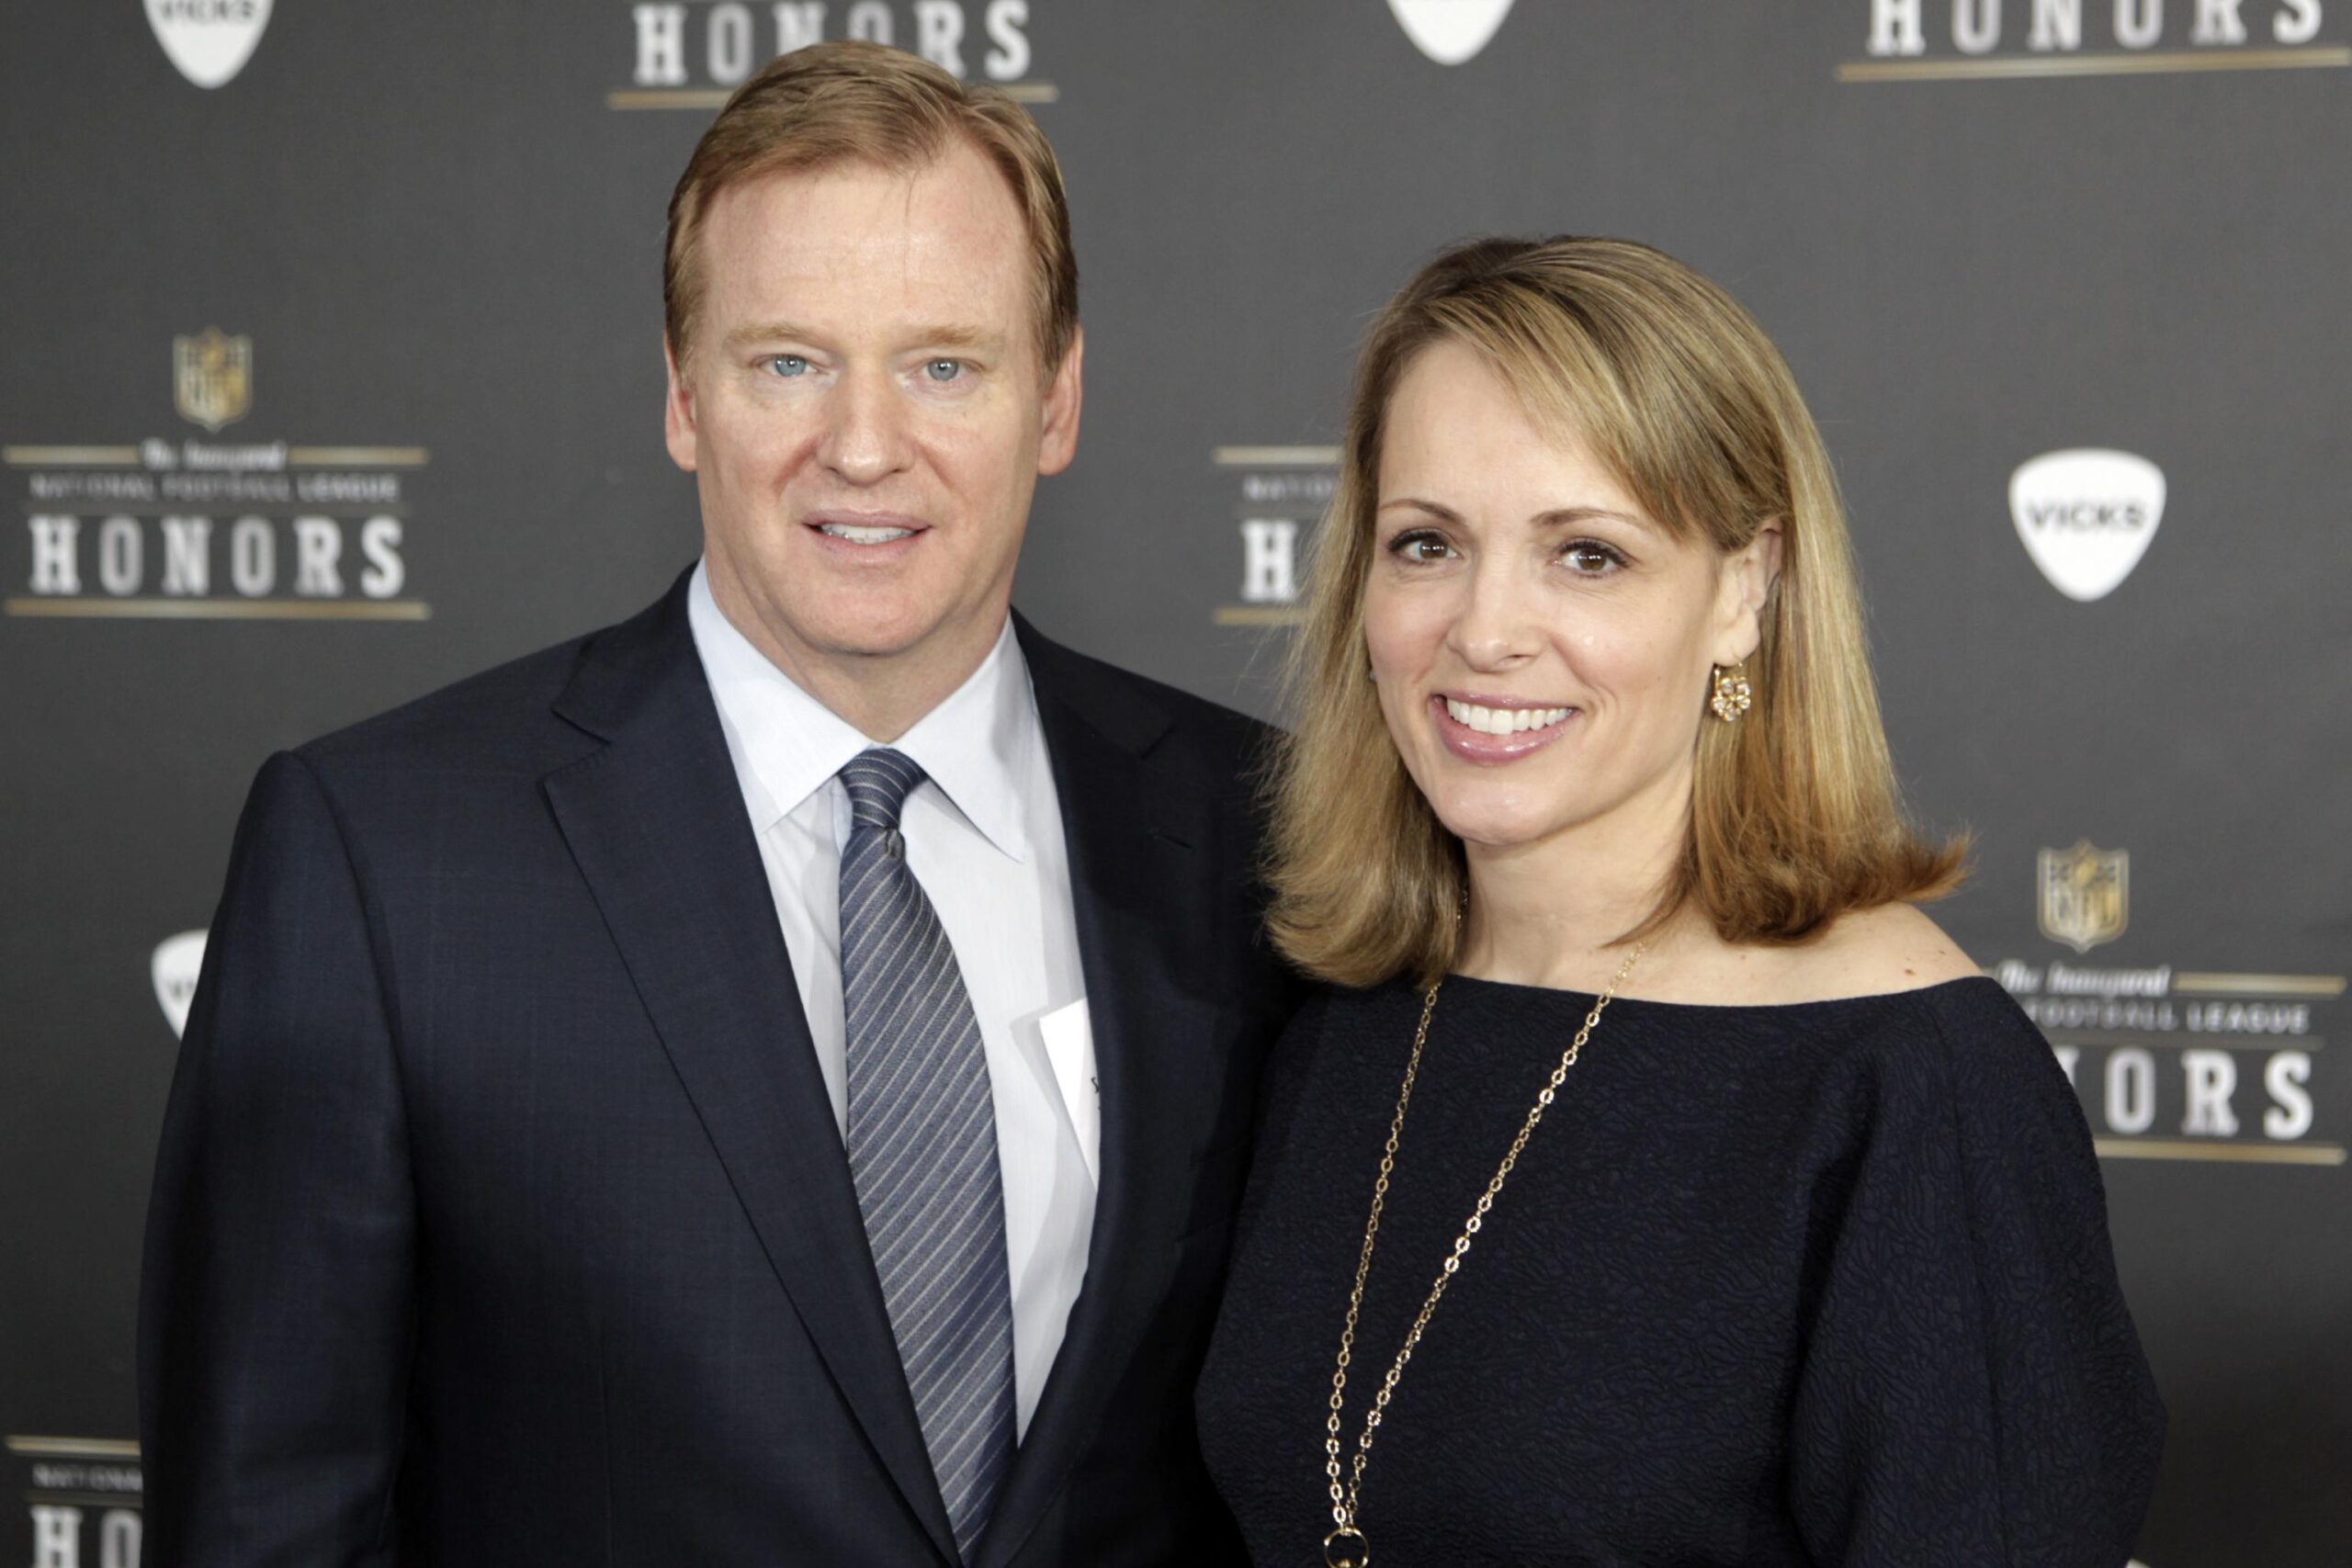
(1972, 1392)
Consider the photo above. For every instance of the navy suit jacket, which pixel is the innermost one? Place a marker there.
(500, 1215)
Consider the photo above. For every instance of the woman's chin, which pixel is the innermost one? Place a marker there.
(1495, 830)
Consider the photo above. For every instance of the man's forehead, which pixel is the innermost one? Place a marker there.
(854, 203)
(880, 238)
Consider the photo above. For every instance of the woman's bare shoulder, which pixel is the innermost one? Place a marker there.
(1865, 952)
(1869, 952)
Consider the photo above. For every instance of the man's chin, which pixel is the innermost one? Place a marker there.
(884, 625)
(846, 623)
(883, 637)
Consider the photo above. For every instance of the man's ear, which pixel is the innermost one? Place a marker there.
(1751, 576)
(1058, 440)
(677, 413)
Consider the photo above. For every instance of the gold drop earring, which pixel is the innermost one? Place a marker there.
(1733, 696)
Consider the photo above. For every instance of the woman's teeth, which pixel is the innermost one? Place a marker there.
(857, 535)
(1503, 721)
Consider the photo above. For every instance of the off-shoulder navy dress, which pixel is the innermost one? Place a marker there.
(1823, 1284)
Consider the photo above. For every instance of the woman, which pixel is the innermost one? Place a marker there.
(1655, 1184)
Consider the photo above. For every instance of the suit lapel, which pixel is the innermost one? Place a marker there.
(1131, 849)
(657, 824)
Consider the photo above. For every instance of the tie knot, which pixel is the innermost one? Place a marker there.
(877, 779)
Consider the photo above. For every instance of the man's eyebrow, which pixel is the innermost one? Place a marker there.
(956, 337)
(943, 336)
(767, 331)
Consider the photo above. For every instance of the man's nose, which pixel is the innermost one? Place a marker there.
(865, 437)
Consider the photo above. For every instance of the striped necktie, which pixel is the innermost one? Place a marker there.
(923, 1151)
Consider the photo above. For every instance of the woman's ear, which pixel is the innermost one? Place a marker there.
(1751, 576)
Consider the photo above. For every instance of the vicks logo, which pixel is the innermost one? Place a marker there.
(209, 41)
(178, 961)
(1450, 31)
(2086, 516)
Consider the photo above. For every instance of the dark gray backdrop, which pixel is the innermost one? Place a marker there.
(437, 228)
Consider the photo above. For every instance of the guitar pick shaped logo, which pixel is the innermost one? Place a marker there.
(2086, 516)
(179, 960)
(1450, 31)
(209, 41)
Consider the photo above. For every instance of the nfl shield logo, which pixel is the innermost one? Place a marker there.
(2085, 895)
(177, 962)
(1450, 31)
(208, 41)
(212, 378)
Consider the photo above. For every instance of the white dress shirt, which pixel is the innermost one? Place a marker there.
(984, 838)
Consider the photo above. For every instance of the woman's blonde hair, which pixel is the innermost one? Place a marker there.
(1794, 818)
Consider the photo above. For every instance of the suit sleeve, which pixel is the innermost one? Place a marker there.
(275, 1312)
(1974, 1392)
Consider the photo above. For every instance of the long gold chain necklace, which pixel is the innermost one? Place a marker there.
(1346, 1547)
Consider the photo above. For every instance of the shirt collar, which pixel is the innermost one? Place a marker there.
(978, 746)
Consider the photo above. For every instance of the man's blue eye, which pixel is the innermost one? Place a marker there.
(788, 364)
(944, 369)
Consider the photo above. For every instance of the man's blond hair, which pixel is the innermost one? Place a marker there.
(852, 102)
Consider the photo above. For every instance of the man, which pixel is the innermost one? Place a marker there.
(640, 1103)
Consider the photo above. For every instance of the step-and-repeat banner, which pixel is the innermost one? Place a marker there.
(333, 372)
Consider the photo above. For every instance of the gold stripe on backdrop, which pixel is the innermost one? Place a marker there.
(113, 508)
(2240, 1154)
(2164, 63)
(1259, 615)
(356, 456)
(296, 457)
(2202, 985)
(74, 1448)
(2102, 1039)
(716, 97)
(223, 609)
(1275, 456)
(70, 456)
